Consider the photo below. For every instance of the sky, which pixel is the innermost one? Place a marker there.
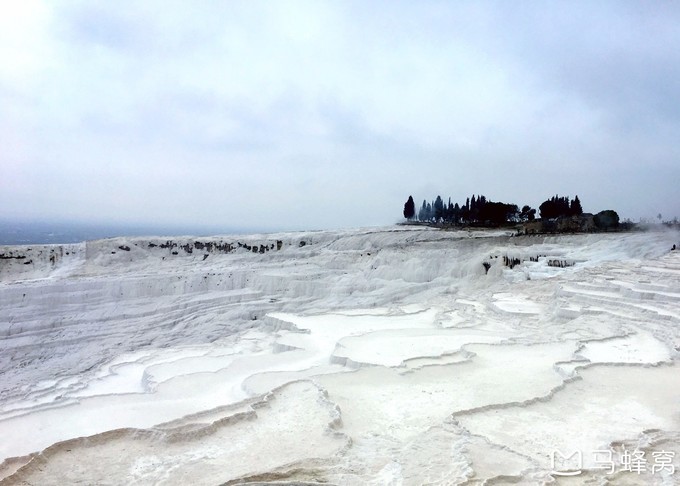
(311, 114)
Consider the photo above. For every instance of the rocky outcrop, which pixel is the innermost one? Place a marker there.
(36, 261)
(207, 247)
(583, 223)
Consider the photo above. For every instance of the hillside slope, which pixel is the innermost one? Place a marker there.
(391, 355)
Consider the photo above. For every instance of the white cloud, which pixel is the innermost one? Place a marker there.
(330, 113)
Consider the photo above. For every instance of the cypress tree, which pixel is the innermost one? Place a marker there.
(409, 208)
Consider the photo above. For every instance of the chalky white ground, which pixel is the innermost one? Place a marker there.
(374, 356)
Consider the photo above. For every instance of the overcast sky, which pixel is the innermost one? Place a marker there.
(304, 115)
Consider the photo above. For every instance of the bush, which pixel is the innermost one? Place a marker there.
(607, 219)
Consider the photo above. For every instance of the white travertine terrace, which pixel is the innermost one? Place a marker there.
(372, 356)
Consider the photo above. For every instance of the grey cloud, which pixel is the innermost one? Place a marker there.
(98, 24)
(317, 114)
